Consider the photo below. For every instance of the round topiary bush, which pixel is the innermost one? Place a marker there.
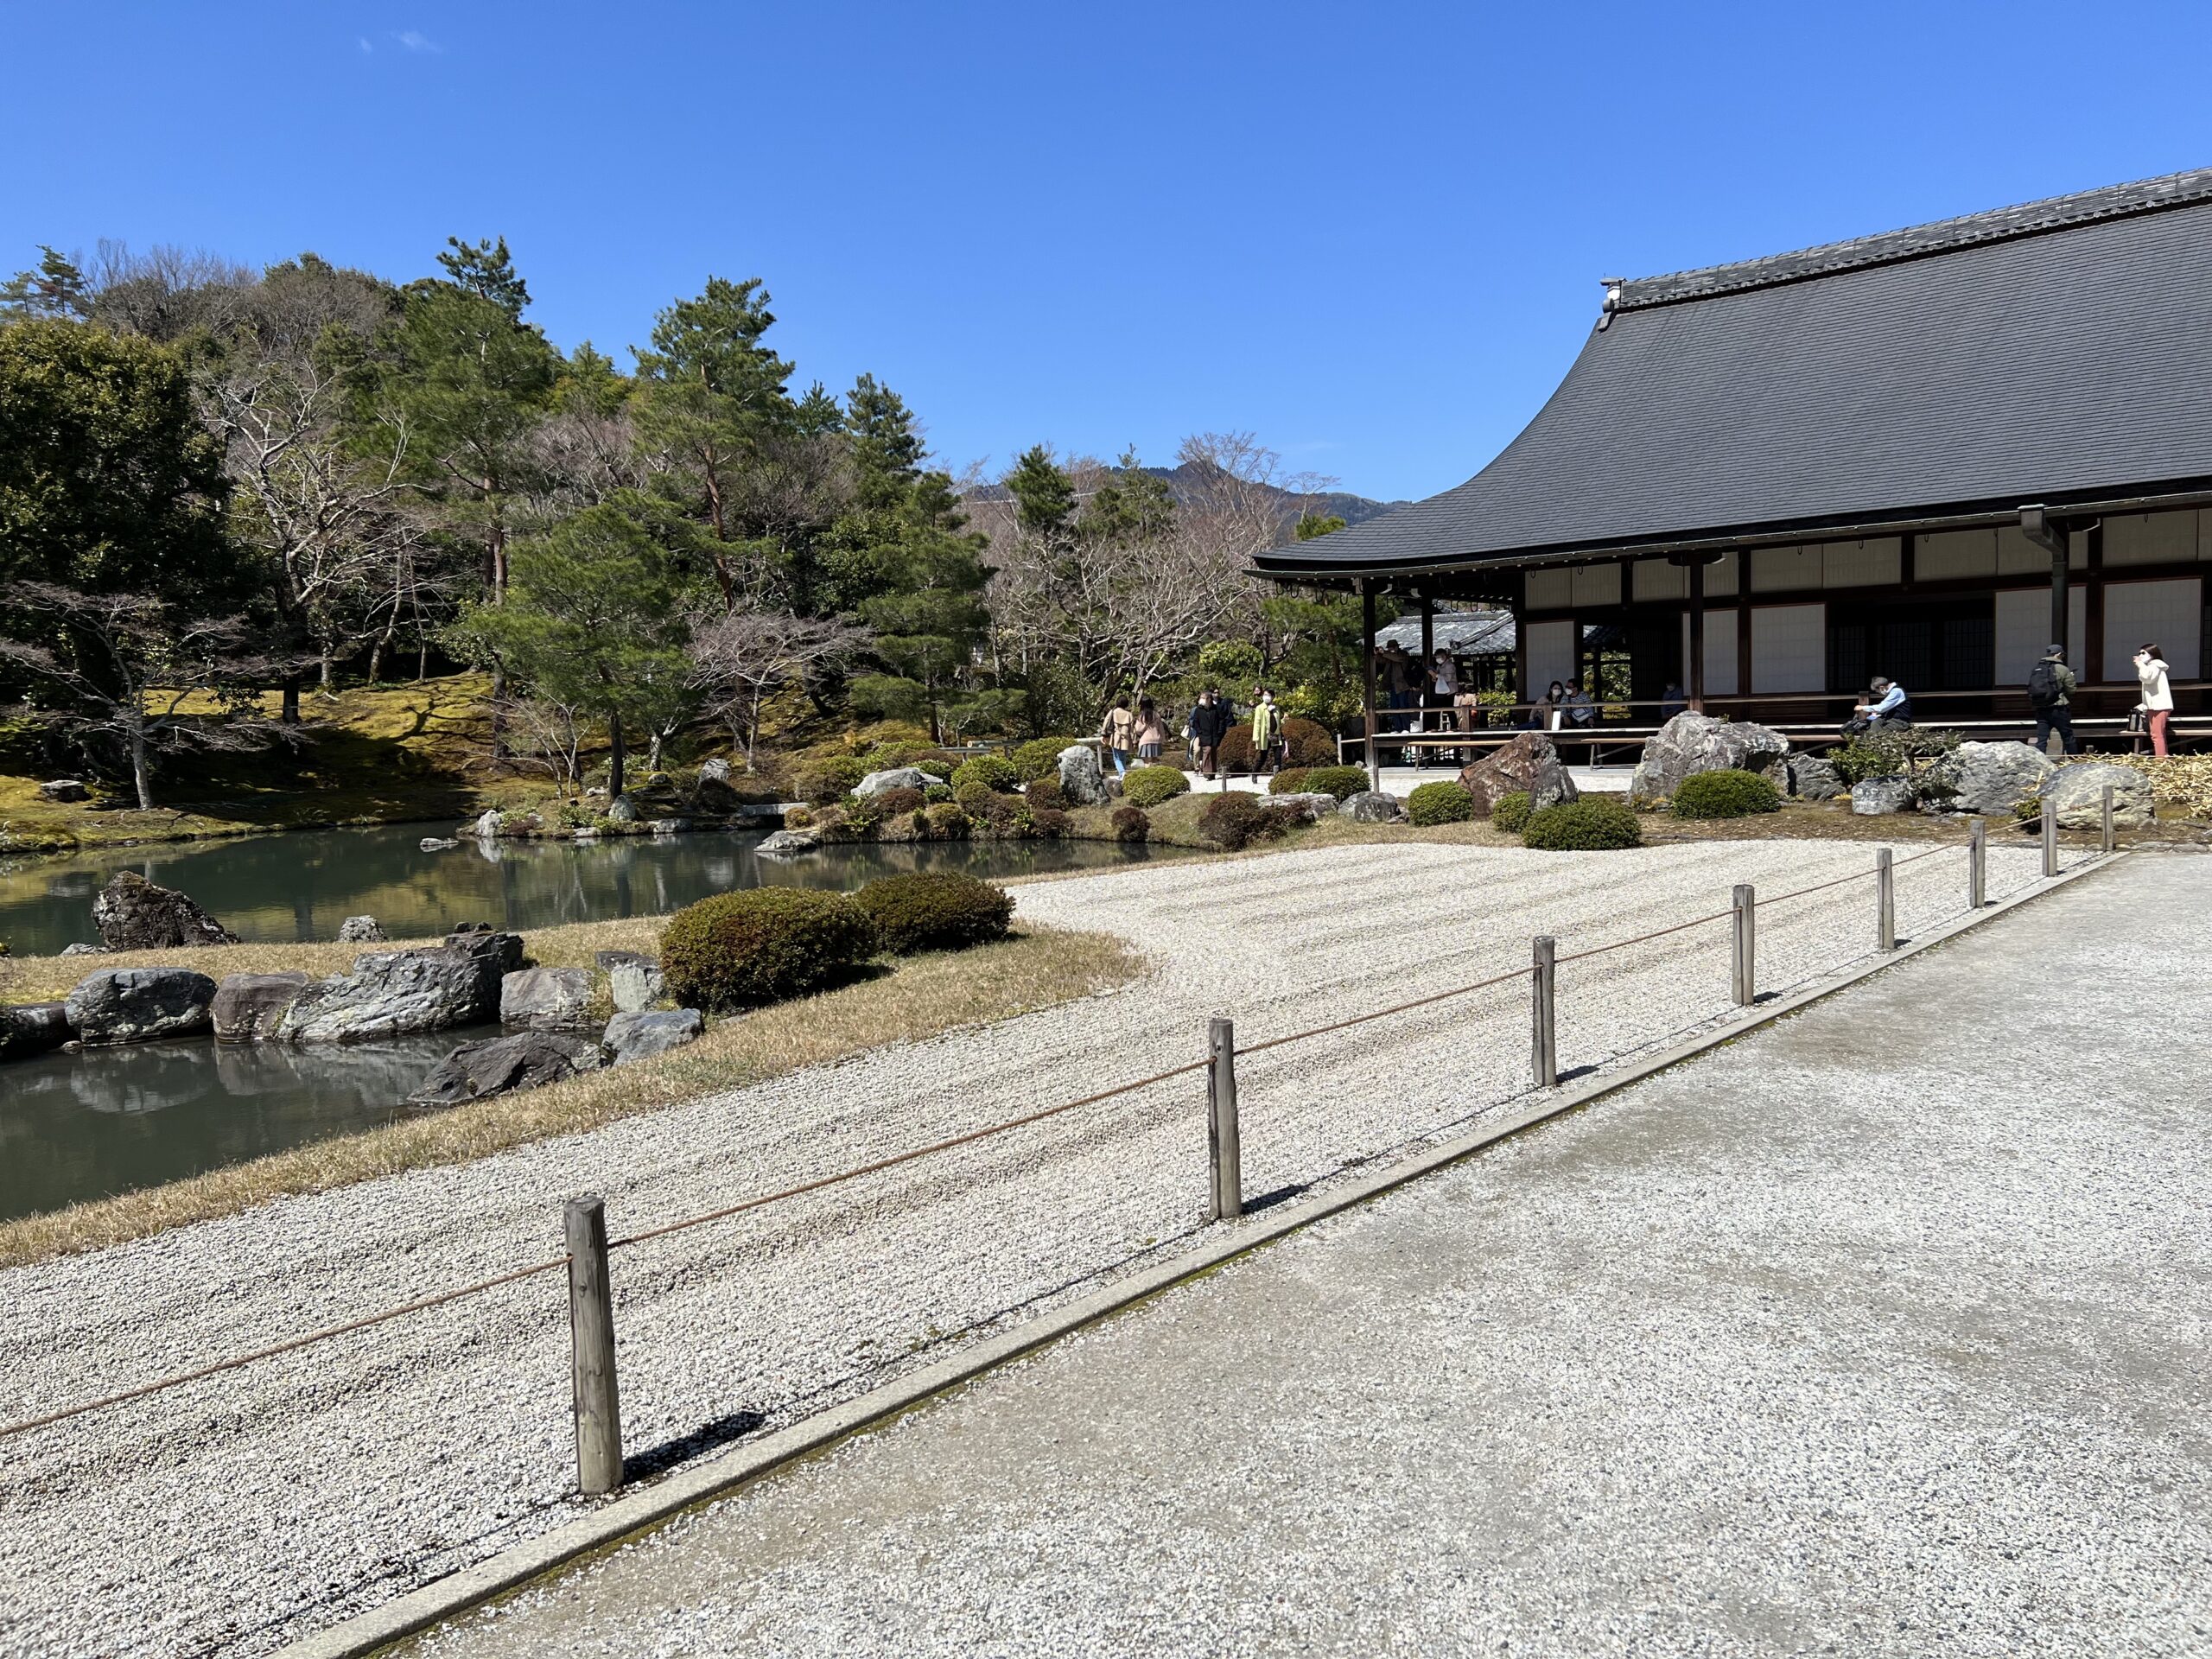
(1509, 812)
(1594, 823)
(737, 949)
(1041, 755)
(938, 767)
(1726, 793)
(1237, 818)
(938, 910)
(1150, 785)
(1130, 823)
(895, 802)
(1290, 780)
(1044, 792)
(823, 781)
(989, 769)
(946, 822)
(1048, 822)
(1339, 781)
(1443, 802)
(937, 793)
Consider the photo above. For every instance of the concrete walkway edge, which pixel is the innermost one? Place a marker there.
(637, 1510)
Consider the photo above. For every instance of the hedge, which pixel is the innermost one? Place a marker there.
(988, 770)
(1594, 823)
(1442, 801)
(823, 781)
(1150, 785)
(737, 949)
(1237, 818)
(939, 909)
(1343, 782)
(1728, 792)
(1510, 812)
(1130, 823)
(1290, 780)
(1041, 755)
(1308, 744)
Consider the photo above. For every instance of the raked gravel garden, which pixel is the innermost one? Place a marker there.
(240, 1513)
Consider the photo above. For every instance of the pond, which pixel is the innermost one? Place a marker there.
(83, 1124)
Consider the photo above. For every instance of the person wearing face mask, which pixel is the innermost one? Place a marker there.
(2158, 703)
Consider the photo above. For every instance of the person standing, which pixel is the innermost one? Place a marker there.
(1397, 675)
(1117, 735)
(2158, 694)
(1152, 731)
(1267, 732)
(2050, 689)
(1209, 725)
(1440, 686)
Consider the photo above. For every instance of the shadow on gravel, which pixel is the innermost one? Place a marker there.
(707, 1437)
(1281, 1195)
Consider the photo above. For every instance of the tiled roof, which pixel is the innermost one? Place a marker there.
(2062, 350)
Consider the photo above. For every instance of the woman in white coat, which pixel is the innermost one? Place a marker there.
(2158, 694)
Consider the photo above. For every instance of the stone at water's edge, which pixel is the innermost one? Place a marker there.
(621, 809)
(140, 1005)
(247, 1006)
(1372, 806)
(134, 914)
(1693, 743)
(2079, 791)
(1812, 778)
(785, 844)
(438, 843)
(546, 999)
(33, 1028)
(527, 1059)
(1875, 797)
(1992, 778)
(390, 992)
(895, 778)
(638, 1035)
(361, 930)
(1082, 784)
(80, 949)
(635, 986)
(487, 825)
(1527, 765)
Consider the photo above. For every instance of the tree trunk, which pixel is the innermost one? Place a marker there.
(323, 666)
(290, 713)
(615, 756)
(140, 778)
(421, 661)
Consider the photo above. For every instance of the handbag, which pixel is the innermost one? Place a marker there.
(2139, 722)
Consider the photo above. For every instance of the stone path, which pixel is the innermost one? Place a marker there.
(1882, 1331)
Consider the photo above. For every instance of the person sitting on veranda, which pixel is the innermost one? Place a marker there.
(1886, 709)
(1581, 711)
(1672, 701)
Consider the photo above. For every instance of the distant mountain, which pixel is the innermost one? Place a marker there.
(1352, 509)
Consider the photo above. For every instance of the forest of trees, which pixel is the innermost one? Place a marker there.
(223, 490)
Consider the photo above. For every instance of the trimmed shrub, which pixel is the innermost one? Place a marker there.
(1150, 785)
(1044, 792)
(1238, 817)
(946, 822)
(988, 770)
(1339, 781)
(737, 949)
(1048, 822)
(861, 814)
(1290, 780)
(1131, 823)
(798, 817)
(1726, 793)
(1594, 823)
(939, 909)
(1041, 755)
(937, 793)
(938, 767)
(1509, 812)
(895, 802)
(1443, 802)
(824, 781)
(971, 793)
(1306, 742)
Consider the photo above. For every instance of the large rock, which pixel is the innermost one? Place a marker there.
(140, 1005)
(895, 778)
(81, 949)
(636, 1036)
(2079, 792)
(1875, 797)
(621, 809)
(547, 998)
(786, 843)
(1527, 763)
(714, 771)
(1992, 778)
(1081, 782)
(360, 930)
(247, 1006)
(1311, 805)
(65, 789)
(392, 992)
(1372, 806)
(526, 1059)
(1692, 743)
(634, 982)
(1812, 778)
(134, 914)
(487, 826)
(32, 1028)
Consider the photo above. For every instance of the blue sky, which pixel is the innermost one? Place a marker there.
(1370, 234)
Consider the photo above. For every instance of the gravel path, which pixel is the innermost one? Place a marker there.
(1873, 1333)
(233, 1514)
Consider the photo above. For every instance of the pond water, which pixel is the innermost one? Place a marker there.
(83, 1124)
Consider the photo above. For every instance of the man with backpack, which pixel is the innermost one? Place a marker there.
(2050, 684)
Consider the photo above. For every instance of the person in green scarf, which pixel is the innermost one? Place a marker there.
(1267, 732)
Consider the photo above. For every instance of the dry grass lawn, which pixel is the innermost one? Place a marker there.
(920, 996)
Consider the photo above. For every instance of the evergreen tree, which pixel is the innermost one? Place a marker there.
(55, 291)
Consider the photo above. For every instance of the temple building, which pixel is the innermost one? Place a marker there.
(1927, 453)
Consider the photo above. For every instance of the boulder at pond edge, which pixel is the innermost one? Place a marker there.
(636, 1036)
(546, 999)
(140, 1005)
(33, 1028)
(1082, 784)
(526, 1060)
(248, 1006)
(134, 914)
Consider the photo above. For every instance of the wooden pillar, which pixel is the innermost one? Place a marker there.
(2091, 668)
(2058, 587)
(1428, 628)
(1695, 669)
(1367, 676)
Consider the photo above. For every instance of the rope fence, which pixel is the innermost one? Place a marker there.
(593, 1379)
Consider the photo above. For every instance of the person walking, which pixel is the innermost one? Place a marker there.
(1267, 732)
(1152, 731)
(1117, 735)
(1209, 725)
(2158, 694)
(2050, 688)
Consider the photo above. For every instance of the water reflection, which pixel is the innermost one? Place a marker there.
(300, 886)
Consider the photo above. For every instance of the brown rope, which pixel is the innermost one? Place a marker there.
(311, 1337)
(1381, 1013)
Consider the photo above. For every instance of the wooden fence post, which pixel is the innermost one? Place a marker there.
(1543, 1055)
(2108, 840)
(2050, 836)
(1746, 948)
(1977, 863)
(1224, 1149)
(591, 1331)
(1886, 900)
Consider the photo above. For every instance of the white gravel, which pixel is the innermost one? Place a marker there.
(237, 1514)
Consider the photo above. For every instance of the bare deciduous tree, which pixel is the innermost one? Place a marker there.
(743, 659)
